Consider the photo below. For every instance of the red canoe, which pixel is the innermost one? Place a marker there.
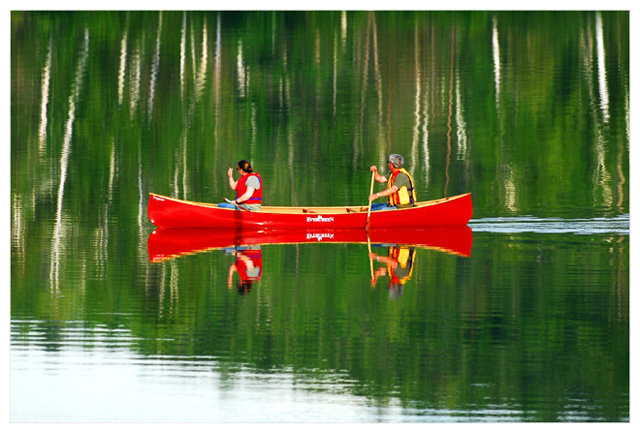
(167, 212)
(167, 243)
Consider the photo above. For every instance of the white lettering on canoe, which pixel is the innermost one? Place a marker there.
(158, 198)
(319, 219)
(319, 236)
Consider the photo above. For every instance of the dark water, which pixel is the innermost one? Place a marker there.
(528, 111)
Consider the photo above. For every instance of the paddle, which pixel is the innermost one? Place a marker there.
(373, 175)
(370, 258)
(235, 204)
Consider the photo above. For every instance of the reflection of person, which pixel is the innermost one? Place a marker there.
(399, 261)
(248, 188)
(400, 187)
(248, 264)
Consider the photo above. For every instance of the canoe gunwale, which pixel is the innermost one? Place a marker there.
(301, 210)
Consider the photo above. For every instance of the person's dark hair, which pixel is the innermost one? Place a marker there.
(244, 287)
(245, 166)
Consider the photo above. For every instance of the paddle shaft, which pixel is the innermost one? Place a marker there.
(373, 175)
(236, 205)
(370, 258)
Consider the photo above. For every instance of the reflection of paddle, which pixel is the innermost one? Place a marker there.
(235, 204)
(370, 258)
(373, 175)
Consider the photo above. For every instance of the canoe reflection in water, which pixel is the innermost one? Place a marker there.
(246, 245)
(248, 265)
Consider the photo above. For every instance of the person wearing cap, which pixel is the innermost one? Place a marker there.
(248, 188)
(400, 187)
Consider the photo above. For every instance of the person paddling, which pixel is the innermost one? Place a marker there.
(248, 188)
(400, 187)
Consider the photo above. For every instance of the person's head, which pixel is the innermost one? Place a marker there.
(395, 290)
(397, 161)
(244, 287)
(245, 166)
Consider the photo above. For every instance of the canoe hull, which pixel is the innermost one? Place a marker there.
(167, 212)
(168, 243)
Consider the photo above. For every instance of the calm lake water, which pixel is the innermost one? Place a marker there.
(524, 316)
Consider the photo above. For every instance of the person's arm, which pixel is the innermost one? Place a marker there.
(247, 261)
(246, 196)
(379, 273)
(383, 259)
(383, 193)
(232, 183)
(377, 176)
(232, 269)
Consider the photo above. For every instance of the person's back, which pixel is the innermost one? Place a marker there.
(404, 197)
(247, 181)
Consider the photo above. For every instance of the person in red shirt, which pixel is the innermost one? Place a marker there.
(248, 188)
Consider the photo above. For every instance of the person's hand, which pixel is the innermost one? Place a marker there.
(372, 197)
(230, 172)
(374, 169)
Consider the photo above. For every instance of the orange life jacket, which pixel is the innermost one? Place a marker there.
(404, 196)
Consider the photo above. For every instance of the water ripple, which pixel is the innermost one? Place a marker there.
(530, 224)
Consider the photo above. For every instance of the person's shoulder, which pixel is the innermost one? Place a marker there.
(402, 176)
(255, 179)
